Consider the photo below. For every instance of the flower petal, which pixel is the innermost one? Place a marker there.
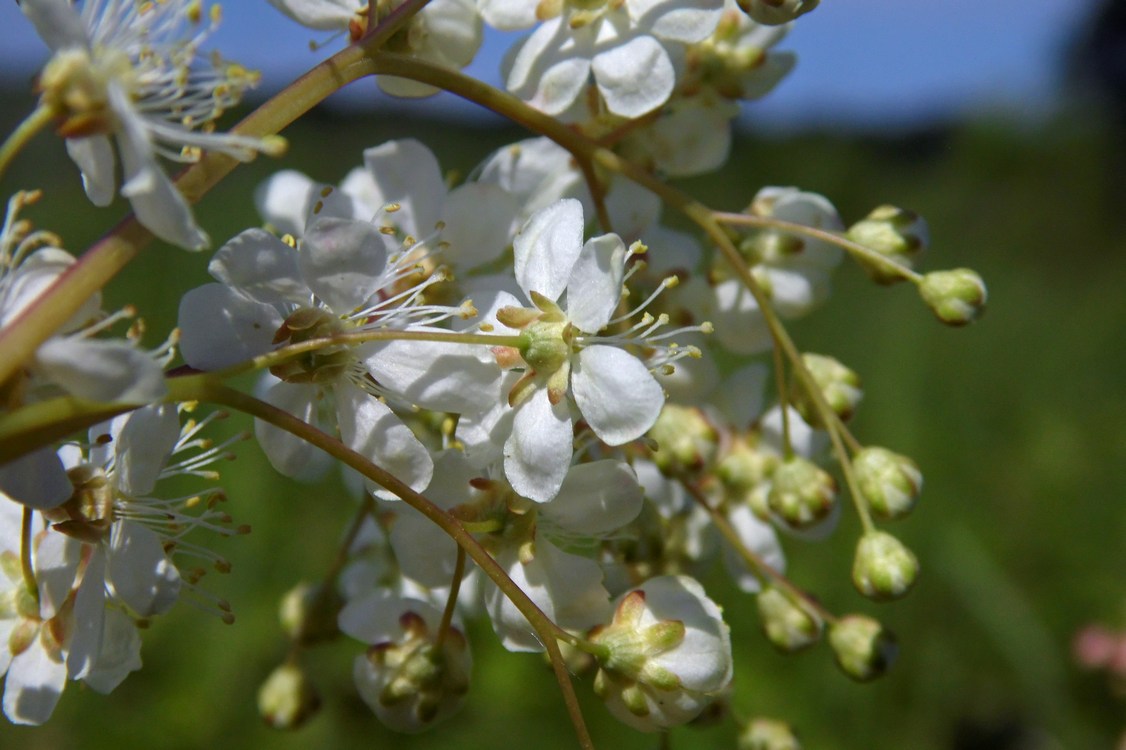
(220, 326)
(262, 266)
(143, 447)
(94, 157)
(617, 395)
(595, 286)
(634, 78)
(369, 427)
(287, 453)
(36, 480)
(342, 261)
(101, 370)
(442, 376)
(596, 498)
(406, 172)
(547, 247)
(538, 453)
(35, 682)
(139, 571)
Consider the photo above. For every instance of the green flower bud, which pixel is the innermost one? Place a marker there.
(839, 385)
(883, 567)
(802, 493)
(956, 297)
(899, 236)
(776, 12)
(767, 734)
(686, 441)
(788, 625)
(889, 482)
(308, 613)
(863, 648)
(744, 468)
(287, 699)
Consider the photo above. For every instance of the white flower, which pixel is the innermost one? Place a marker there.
(665, 655)
(563, 356)
(445, 32)
(129, 69)
(622, 44)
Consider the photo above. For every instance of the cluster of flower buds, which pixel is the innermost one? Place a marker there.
(544, 395)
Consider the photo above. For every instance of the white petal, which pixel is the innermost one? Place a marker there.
(677, 20)
(31, 279)
(342, 262)
(634, 210)
(568, 589)
(547, 70)
(436, 375)
(37, 480)
(538, 452)
(35, 682)
(262, 266)
(547, 247)
(325, 15)
(739, 323)
(220, 327)
(634, 78)
(702, 660)
(100, 370)
(287, 453)
(596, 498)
(120, 653)
(759, 537)
(140, 572)
(158, 204)
(507, 15)
(94, 157)
(595, 286)
(57, 22)
(56, 564)
(144, 446)
(283, 200)
(478, 217)
(89, 617)
(407, 172)
(617, 395)
(369, 427)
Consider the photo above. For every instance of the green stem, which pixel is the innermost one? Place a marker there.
(25, 554)
(39, 118)
(214, 391)
(451, 600)
(853, 248)
(783, 402)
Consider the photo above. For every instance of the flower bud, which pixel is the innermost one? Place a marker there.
(863, 648)
(308, 613)
(686, 441)
(801, 493)
(890, 483)
(883, 567)
(767, 734)
(776, 12)
(288, 698)
(899, 236)
(839, 385)
(665, 655)
(956, 297)
(788, 625)
(744, 468)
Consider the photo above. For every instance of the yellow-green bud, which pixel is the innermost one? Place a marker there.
(839, 385)
(308, 613)
(767, 734)
(863, 648)
(890, 483)
(956, 297)
(686, 441)
(788, 625)
(883, 567)
(899, 236)
(287, 699)
(776, 12)
(801, 493)
(745, 469)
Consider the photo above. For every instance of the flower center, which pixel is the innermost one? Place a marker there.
(88, 514)
(322, 365)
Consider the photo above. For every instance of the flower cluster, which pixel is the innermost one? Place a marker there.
(544, 396)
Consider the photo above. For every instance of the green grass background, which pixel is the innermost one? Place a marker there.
(1019, 423)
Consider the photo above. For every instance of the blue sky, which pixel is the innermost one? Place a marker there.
(865, 62)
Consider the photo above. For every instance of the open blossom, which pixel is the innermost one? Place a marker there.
(129, 70)
(623, 45)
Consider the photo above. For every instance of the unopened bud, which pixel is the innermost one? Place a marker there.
(788, 625)
(686, 441)
(890, 483)
(665, 655)
(883, 567)
(287, 699)
(767, 734)
(801, 493)
(899, 236)
(839, 385)
(308, 613)
(776, 12)
(956, 297)
(744, 468)
(863, 648)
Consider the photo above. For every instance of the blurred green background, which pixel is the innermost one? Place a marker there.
(1018, 422)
